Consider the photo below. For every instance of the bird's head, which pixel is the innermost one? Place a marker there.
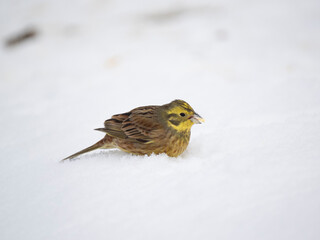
(180, 116)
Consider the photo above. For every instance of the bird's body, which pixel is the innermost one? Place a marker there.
(149, 129)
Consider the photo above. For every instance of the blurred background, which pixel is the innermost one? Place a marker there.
(250, 68)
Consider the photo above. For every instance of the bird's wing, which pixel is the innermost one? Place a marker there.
(113, 125)
(140, 124)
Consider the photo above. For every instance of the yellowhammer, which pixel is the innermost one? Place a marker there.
(149, 129)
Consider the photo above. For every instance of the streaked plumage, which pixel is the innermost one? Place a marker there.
(149, 129)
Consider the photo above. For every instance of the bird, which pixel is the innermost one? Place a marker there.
(148, 130)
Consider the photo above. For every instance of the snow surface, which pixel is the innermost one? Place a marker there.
(250, 68)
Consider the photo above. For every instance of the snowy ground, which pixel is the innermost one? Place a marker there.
(250, 68)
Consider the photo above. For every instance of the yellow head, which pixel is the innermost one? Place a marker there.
(180, 116)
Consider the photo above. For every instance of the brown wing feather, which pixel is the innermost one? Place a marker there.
(113, 125)
(140, 124)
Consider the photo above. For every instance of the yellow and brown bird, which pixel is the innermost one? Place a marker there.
(149, 129)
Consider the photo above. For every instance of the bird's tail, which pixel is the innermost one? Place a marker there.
(103, 143)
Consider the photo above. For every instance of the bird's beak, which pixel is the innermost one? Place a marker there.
(196, 118)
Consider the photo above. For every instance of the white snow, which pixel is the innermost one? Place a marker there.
(250, 68)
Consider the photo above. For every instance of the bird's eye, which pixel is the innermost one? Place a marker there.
(182, 114)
